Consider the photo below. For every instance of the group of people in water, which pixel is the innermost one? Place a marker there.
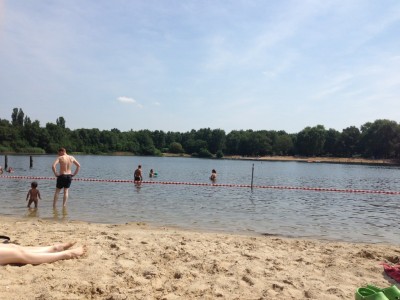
(15, 254)
(64, 179)
(139, 177)
(8, 170)
(138, 174)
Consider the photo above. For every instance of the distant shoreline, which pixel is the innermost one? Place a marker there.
(335, 160)
(314, 159)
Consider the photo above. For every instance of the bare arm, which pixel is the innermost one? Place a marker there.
(54, 167)
(78, 167)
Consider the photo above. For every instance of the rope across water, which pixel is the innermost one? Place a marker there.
(215, 185)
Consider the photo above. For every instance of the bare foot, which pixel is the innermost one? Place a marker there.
(77, 252)
(64, 246)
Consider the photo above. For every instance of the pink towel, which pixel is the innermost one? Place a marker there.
(392, 271)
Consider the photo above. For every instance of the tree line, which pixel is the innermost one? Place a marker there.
(378, 140)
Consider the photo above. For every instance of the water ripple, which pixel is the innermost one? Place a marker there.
(298, 213)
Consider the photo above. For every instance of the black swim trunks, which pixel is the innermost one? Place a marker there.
(64, 181)
(138, 178)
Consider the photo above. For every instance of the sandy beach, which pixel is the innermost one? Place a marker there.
(136, 261)
(316, 159)
(334, 160)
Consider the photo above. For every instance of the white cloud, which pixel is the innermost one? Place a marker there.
(128, 100)
(124, 99)
(243, 57)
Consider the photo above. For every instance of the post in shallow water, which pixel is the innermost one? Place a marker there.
(252, 175)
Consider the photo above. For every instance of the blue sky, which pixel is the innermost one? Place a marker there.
(179, 65)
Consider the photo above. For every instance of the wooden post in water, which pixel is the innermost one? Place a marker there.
(30, 162)
(5, 162)
(252, 175)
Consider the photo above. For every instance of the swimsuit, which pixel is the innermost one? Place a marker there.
(64, 181)
(137, 178)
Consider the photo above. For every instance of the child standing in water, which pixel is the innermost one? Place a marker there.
(213, 176)
(33, 195)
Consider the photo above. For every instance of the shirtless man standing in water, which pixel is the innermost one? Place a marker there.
(138, 173)
(64, 176)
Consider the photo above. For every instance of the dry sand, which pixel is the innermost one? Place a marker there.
(135, 261)
(337, 160)
(316, 159)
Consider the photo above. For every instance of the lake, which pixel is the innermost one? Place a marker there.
(355, 217)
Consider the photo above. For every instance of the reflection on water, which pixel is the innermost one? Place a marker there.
(32, 213)
(252, 197)
(138, 186)
(299, 213)
(60, 216)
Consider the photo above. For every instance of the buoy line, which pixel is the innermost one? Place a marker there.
(215, 185)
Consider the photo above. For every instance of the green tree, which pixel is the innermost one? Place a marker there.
(348, 142)
(283, 144)
(380, 139)
(204, 153)
(60, 136)
(331, 140)
(32, 132)
(145, 142)
(173, 137)
(310, 141)
(194, 146)
(233, 142)
(260, 143)
(6, 133)
(17, 117)
(217, 140)
(175, 147)
(60, 122)
(159, 139)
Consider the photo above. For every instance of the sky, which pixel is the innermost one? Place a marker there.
(177, 65)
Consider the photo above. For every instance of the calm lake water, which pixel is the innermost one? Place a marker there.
(356, 217)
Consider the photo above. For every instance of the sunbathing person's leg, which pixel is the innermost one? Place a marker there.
(45, 249)
(14, 254)
(51, 249)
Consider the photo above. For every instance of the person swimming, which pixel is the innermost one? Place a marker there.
(152, 173)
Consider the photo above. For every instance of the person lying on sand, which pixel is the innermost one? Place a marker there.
(16, 254)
